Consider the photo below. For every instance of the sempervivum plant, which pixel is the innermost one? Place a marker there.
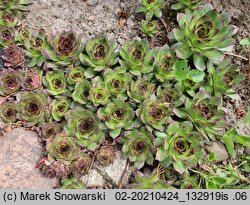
(81, 92)
(85, 127)
(10, 82)
(169, 95)
(223, 78)
(105, 155)
(203, 34)
(141, 89)
(187, 4)
(152, 8)
(100, 53)
(32, 107)
(60, 107)
(20, 5)
(62, 148)
(98, 93)
(81, 164)
(163, 65)
(49, 130)
(180, 145)
(53, 169)
(55, 82)
(75, 75)
(64, 48)
(9, 18)
(72, 183)
(138, 147)
(8, 112)
(154, 114)
(34, 46)
(205, 112)
(22, 35)
(117, 115)
(7, 36)
(117, 82)
(32, 81)
(137, 58)
(149, 27)
(13, 56)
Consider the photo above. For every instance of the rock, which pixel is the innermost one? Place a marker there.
(114, 174)
(91, 18)
(219, 151)
(93, 179)
(115, 171)
(20, 150)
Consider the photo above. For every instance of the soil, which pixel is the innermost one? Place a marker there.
(90, 18)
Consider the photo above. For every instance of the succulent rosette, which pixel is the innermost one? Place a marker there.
(7, 36)
(154, 114)
(55, 82)
(163, 65)
(13, 56)
(72, 183)
(117, 115)
(32, 107)
(223, 78)
(10, 82)
(53, 169)
(141, 89)
(98, 93)
(60, 107)
(138, 147)
(85, 127)
(81, 92)
(64, 48)
(33, 47)
(22, 35)
(205, 112)
(182, 5)
(49, 130)
(32, 81)
(152, 8)
(62, 148)
(105, 155)
(8, 112)
(203, 35)
(81, 164)
(169, 95)
(180, 146)
(117, 82)
(75, 75)
(20, 5)
(100, 53)
(149, 27)
(9, 18)
(137, 58)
